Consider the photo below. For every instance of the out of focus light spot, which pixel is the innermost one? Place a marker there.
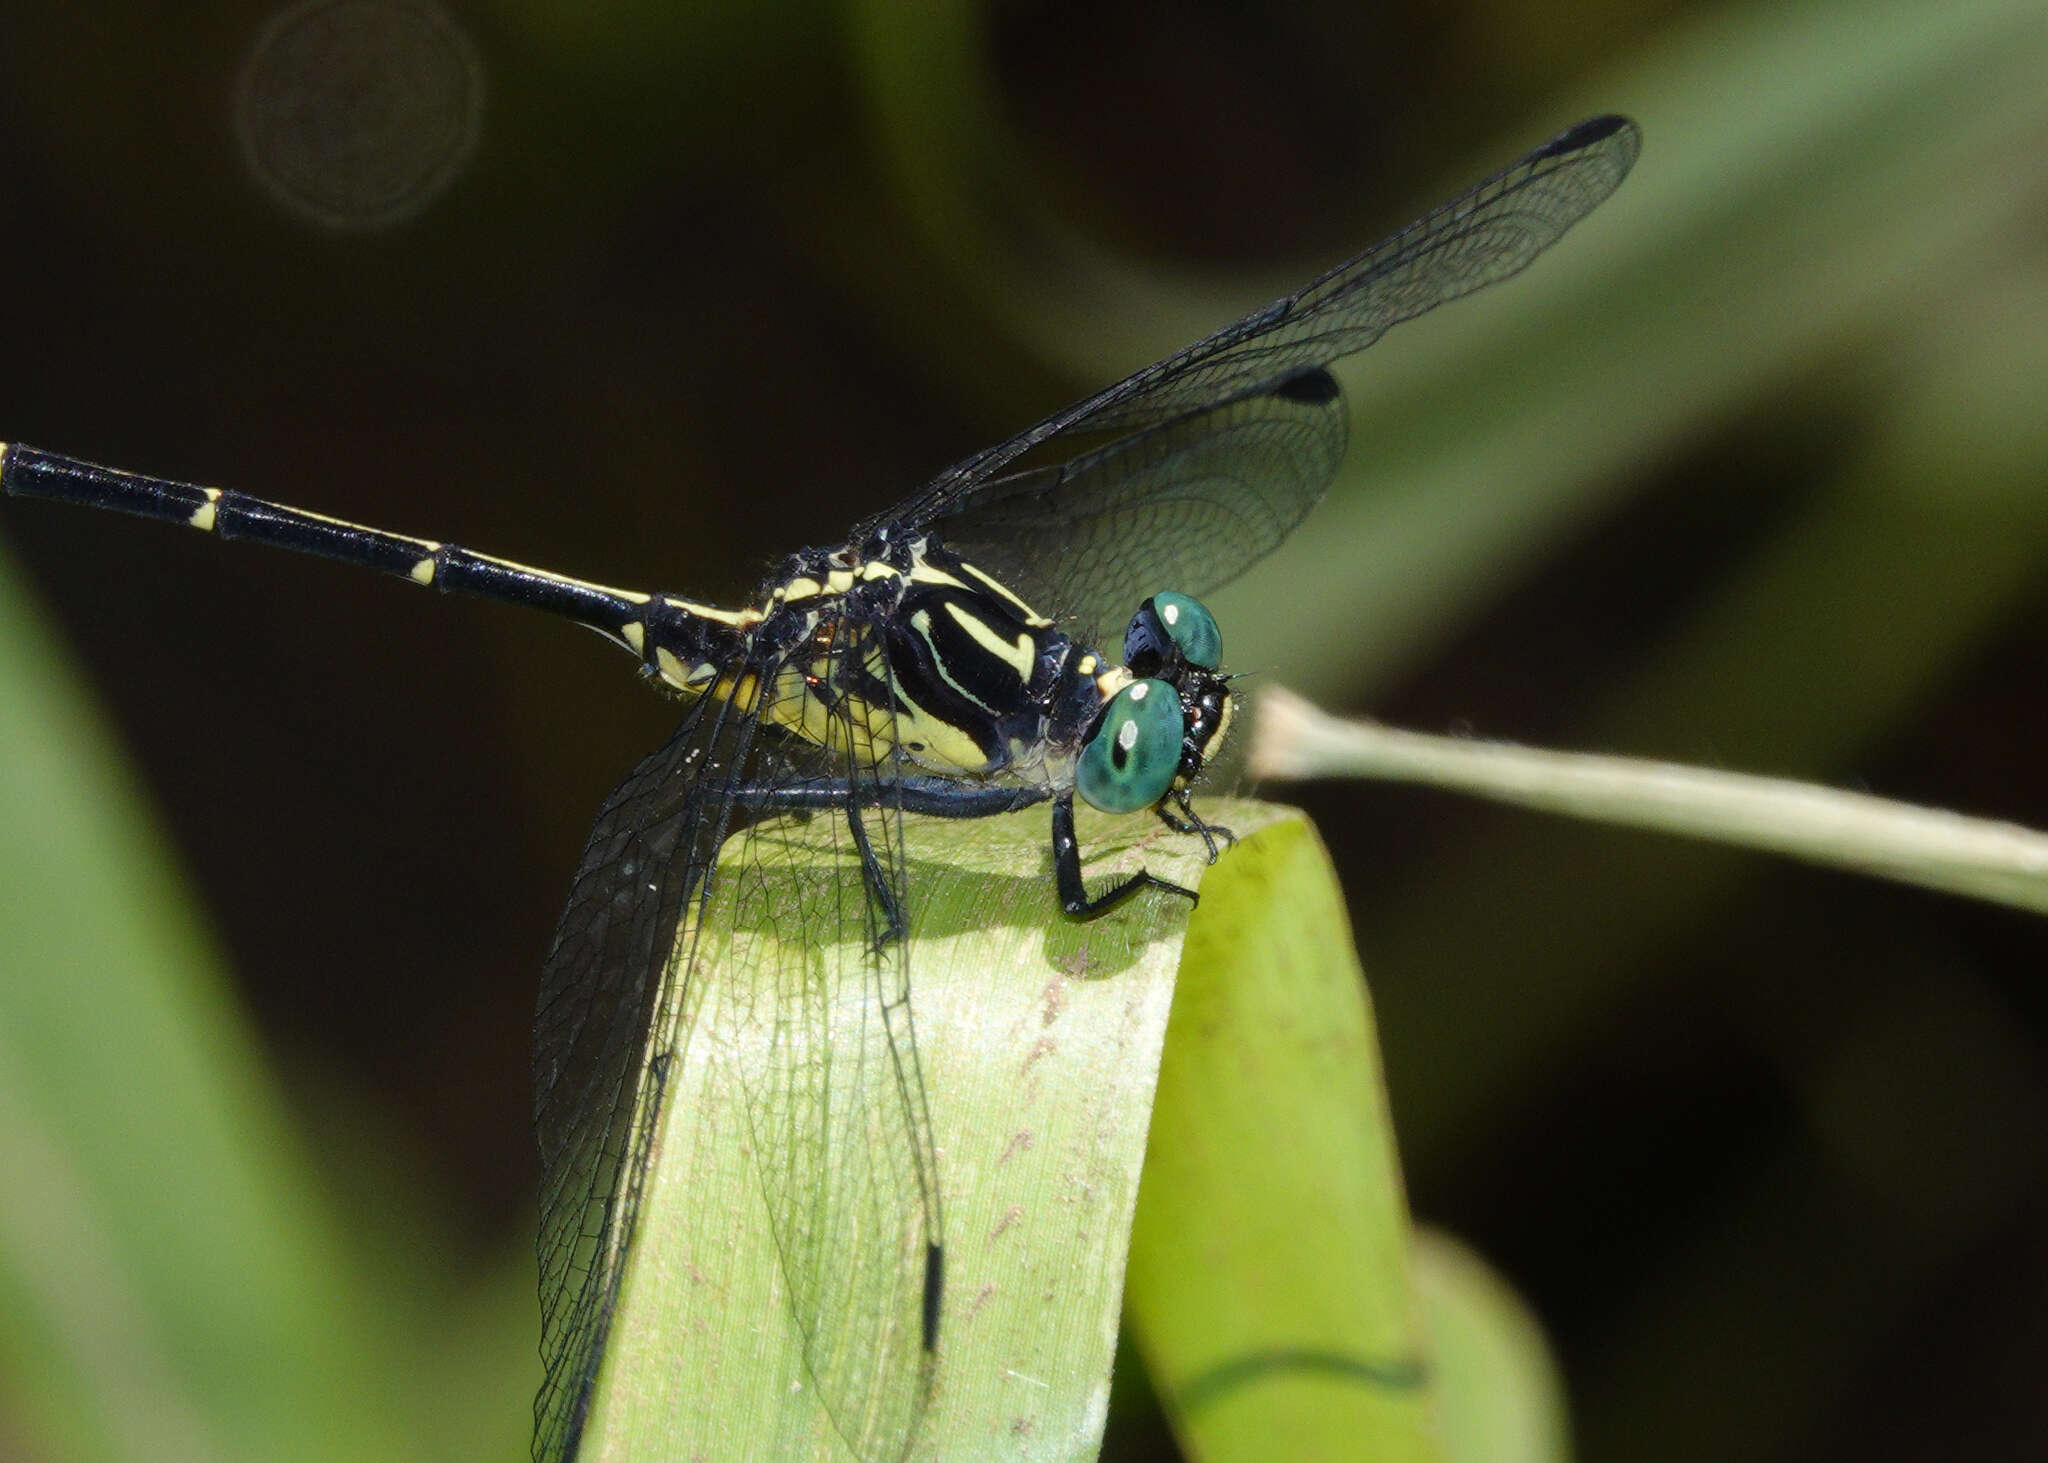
(356, 114)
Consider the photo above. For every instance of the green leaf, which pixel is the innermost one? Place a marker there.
(1039, 1041)
(1503, 1398)
(1269, 1266)
(1270, 1288)
(172, 1285)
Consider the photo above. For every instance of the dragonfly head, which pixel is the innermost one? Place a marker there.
(1155, 733)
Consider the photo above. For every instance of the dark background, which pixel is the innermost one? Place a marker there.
(1761, 1145)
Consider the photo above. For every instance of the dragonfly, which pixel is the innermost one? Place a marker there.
(945, 660)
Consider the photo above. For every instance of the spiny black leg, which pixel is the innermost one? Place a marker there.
(1066, 870)
(1195, 826)
(1209, 832)
(878, 884)
(1206, 829)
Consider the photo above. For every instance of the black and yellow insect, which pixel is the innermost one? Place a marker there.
(939, 662)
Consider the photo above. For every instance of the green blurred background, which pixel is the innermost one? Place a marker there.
(1753, 472)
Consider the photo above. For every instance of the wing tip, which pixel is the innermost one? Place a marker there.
(1592, 133)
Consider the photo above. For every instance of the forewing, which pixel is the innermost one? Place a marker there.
(1486, 235)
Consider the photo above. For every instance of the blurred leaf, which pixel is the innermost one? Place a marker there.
(1868, 165)
(1503, 1400)
(175, 1288)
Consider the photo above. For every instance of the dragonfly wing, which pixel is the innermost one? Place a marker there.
(1489, 233)
(785, 971)
(1184, 506)
(840, 1127)
(611, 973)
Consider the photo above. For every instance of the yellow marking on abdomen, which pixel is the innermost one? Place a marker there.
(422, 572)
(671, 669)
(203, 516)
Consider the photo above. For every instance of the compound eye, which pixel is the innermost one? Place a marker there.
(1130, 761)
(1185, 621)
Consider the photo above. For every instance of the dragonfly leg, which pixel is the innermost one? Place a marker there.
(1066, 868)
(1192, 823)
(871, 874)
(936, 797)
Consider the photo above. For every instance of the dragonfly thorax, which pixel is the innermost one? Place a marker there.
(903, 652)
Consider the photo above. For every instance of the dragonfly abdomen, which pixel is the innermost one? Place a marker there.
(631, 617)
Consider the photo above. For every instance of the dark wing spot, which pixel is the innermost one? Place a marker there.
(934, 1292)
(1592, 130)
(1312, 388)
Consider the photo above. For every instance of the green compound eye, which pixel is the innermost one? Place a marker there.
(1130, 761)
(1192, 627)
